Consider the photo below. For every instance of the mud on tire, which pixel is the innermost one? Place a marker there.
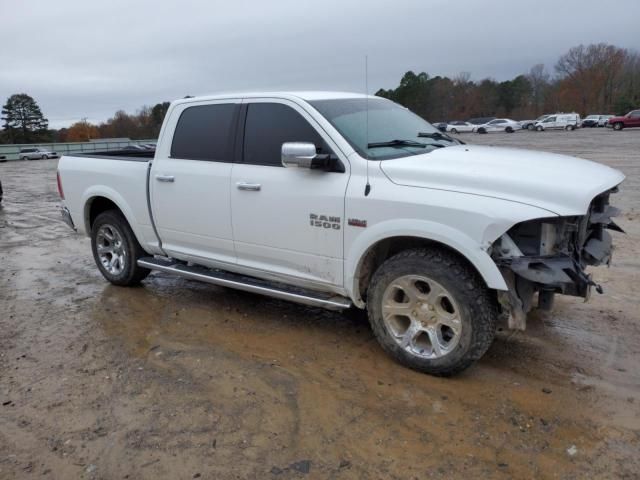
(112, 236)
(444, 276)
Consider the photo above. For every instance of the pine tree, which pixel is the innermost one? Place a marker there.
(23, 121)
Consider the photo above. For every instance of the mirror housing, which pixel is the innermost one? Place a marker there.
(303, 155)
(298, 154)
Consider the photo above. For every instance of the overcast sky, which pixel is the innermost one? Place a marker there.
(83, 58)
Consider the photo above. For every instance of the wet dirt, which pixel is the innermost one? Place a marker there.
(177, 379)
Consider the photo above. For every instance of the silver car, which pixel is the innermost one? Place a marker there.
(34, 153)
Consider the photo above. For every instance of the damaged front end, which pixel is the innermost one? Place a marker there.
(549, 255)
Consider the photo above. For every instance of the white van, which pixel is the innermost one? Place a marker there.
(565, 121)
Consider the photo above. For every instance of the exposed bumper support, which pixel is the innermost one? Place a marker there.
(66, 217)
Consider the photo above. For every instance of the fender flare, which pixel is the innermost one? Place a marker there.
(432, 231)
(109, 193)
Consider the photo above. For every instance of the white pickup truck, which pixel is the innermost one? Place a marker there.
(338, 200)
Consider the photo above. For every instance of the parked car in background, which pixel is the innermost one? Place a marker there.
(630, 120)
(3, 158)
(442, 126)
(480, 120)
(460, 127)
(604, 120)
(531, 124)
(499, 125)
(559, 121)
(593, 121)
(35, 153)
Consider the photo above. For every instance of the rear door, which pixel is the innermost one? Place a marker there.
(287, 222)
(189, 183)
(634, 119)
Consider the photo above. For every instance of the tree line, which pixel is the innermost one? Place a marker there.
(598, 78)
(24, 122)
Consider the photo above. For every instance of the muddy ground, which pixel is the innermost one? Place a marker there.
(178, 379)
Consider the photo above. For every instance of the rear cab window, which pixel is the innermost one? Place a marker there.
(205, 132)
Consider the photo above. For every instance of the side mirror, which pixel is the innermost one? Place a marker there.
(298, 154)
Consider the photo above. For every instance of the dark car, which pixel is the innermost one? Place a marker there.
(0, 191)
(3, 158)
(442, 126)
(480, 120)
(630, 120)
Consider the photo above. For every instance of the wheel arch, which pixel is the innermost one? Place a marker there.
(98, 201)
(363, 260)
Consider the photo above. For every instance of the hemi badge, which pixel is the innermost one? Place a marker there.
(354, 222)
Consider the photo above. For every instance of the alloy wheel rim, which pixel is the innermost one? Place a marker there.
(421, 316)
(111, 250)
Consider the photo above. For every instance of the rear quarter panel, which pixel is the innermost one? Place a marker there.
(124, 182)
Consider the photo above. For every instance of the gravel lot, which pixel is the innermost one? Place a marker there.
(181, 380)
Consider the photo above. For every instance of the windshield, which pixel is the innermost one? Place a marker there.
(393, 132)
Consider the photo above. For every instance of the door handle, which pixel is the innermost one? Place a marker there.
(252, 187)
(165, 178)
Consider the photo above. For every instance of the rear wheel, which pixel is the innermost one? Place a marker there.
(539, 128)
(44, 157)
(508, 130)
(570, 128)
(431, 311)
(453, 130)
(482, 130)
(531, 126)
(116, 250)
(618, 126)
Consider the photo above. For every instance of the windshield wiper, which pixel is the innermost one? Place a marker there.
(437, 136)
(397, 143)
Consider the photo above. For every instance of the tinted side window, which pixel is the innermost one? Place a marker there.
(205, 132)
(268, 126)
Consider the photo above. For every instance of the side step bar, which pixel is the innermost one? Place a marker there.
(247, 284)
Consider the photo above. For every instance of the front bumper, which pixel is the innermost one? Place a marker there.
(66, 217)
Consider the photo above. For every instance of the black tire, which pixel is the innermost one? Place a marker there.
(44, 157)
(618, 126)
(508, 130)
(477, 308)
(131, 273)
(531, 127)
(570, 128)
(454, 131)
(539, 128)
(482, 130)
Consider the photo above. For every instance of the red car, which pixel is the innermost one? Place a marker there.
(631, 119)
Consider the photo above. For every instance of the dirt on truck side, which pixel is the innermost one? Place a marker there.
(178, 379)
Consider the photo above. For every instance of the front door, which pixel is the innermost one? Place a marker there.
(189, 184)
(287, 221)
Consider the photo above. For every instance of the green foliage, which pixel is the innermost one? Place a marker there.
(23, 121)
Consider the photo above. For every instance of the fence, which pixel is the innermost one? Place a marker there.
(12, 152)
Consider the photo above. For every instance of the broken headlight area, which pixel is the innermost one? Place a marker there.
(549, 255)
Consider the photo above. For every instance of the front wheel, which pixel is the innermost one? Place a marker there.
(617, 126)
(508, 130)
(44, 157)
(454, 130)
(570, 128)
(539, 128)
(431, 311)
(531, 127)
(116, 250)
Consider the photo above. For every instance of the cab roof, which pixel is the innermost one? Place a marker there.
(291, 95)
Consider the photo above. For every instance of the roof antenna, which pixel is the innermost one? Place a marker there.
(367, 188)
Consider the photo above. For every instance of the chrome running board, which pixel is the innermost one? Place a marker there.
(247, 284)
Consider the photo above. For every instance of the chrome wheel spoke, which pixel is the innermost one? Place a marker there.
(409, 335)
(434, 339)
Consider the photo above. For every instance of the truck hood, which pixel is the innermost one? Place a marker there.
(558, 183)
